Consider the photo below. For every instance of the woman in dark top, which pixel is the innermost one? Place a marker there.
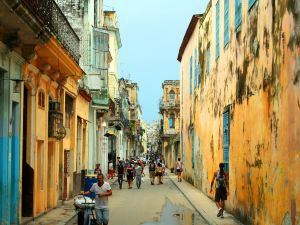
(129, 175)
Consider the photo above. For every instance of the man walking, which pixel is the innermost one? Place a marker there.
(152, 168)
(102, 190)
(221, 178)
(138, 174)
(120, 173)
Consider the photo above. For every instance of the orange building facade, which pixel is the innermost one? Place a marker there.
(240, 85)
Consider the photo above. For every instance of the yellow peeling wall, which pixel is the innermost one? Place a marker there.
(257, 76)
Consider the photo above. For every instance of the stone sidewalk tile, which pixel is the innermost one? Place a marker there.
(204, 205)
(58, 216)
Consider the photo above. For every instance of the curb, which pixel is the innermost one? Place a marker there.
(201, 212)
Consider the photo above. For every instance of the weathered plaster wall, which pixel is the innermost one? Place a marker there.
(257, 77)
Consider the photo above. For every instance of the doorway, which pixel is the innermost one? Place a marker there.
(51, 192)
(28, 173)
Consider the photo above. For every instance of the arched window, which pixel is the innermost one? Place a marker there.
(172, 120)
(41, 99)
(172, 96)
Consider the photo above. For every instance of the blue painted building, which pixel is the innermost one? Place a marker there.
(10, 133)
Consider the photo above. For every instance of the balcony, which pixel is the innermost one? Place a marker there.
(55, 23)
(169, 104)
(100, 98)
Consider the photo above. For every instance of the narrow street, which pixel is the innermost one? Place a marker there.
(151, 205)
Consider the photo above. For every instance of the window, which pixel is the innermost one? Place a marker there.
(208, 60)
(191, 75)
(251, 3)
(238, 14)
(226, 139)
(217, 29)
(172, 96)
(226, 22)
(172, 121)
(68, 111)
(195, 67)
(100, 49)
(41, 99)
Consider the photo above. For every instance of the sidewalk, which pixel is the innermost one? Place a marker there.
(58, 216)
(204, 205)
(62, 215)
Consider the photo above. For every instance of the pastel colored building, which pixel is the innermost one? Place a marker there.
(170, 123)
(45, 106)
(241, 106)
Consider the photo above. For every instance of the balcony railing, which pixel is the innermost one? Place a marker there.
(49, 15)
(100, 98)
(168, 104)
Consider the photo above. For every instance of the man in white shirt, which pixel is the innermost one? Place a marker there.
(102, 190)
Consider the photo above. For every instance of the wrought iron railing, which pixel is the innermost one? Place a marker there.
(51, 17)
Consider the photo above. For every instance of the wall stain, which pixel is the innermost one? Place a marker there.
(212, 148)
(241, 82)
(297, 77)
(274, 127)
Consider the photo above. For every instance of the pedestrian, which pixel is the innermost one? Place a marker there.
(102, 190)
(110, 170)
(120, 173)
(97, 169)
(221, 178)
(129, 175)
(179, 169)
(163, 170)
(158, 172)
(152, 167)
(138, 174)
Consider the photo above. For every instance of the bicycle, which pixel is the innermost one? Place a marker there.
(85, 210)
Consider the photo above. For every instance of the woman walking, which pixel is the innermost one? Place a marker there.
(179, 165)
(129, 175)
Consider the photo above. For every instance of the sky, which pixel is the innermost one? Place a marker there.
(151, 34)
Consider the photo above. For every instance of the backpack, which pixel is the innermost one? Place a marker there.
(152, 167)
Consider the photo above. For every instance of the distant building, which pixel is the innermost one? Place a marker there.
(170, 124)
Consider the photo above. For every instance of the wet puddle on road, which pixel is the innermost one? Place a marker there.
(177, 215)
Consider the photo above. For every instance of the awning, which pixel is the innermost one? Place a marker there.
(111, 131)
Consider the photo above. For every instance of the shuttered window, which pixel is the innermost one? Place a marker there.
(238, 13)
(251, 3)
(195, 67)
(217, 29)
(100, 49)
(191, 75)
(226, 22)
(226, 140)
